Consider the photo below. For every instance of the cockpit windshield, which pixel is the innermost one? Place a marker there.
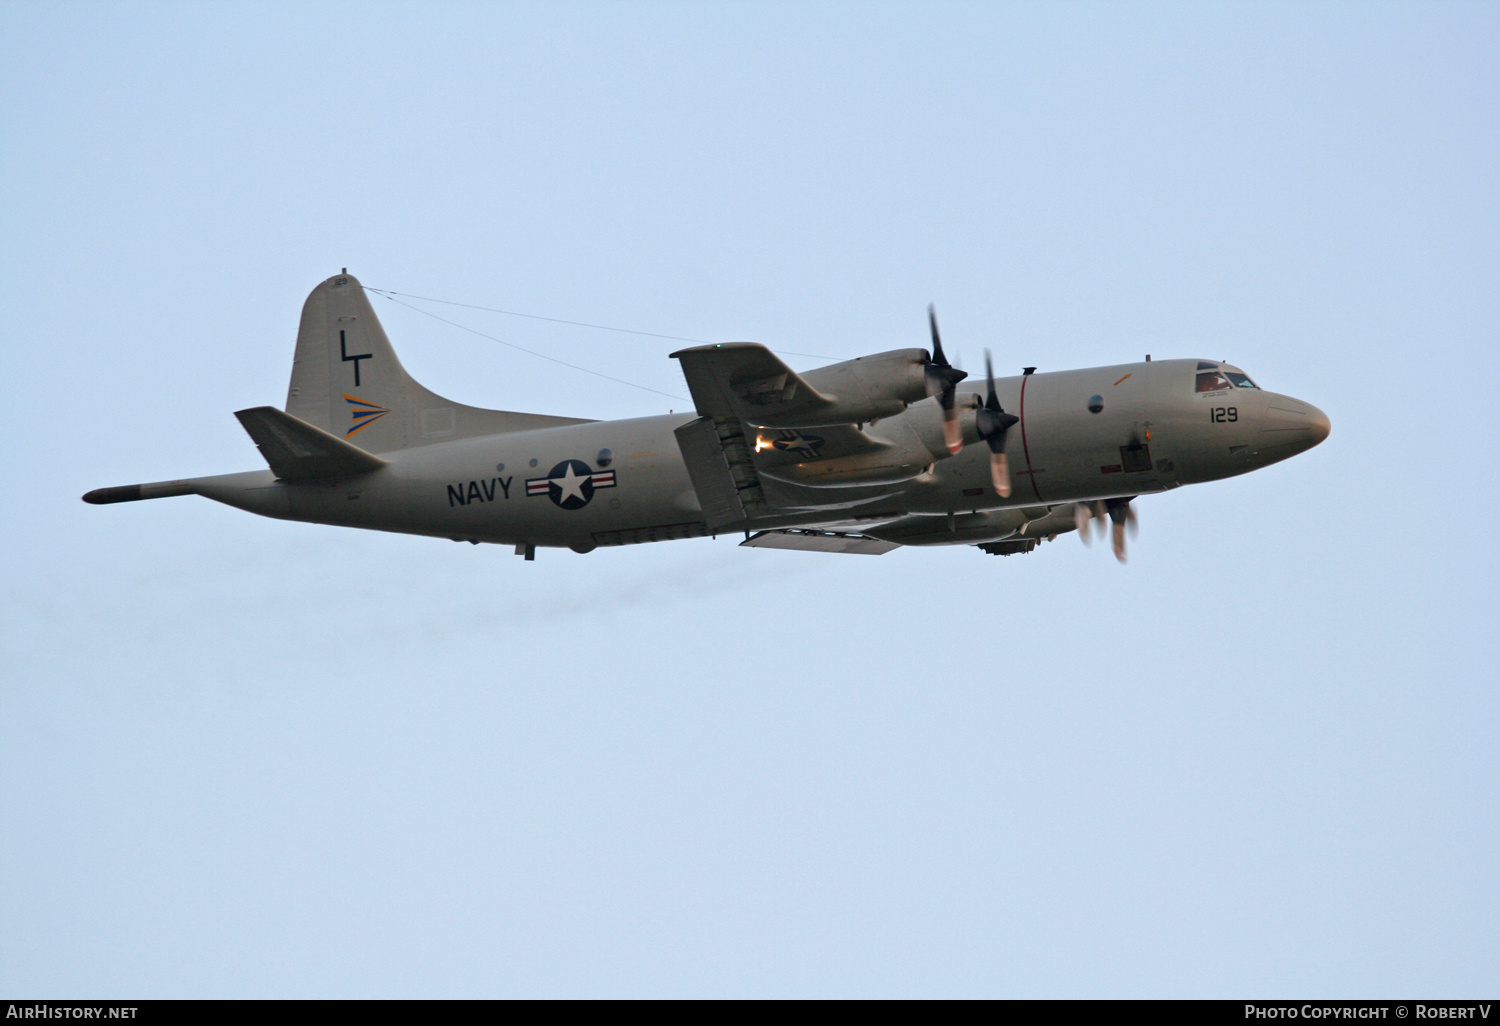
(1212, 381)
(1240, 380)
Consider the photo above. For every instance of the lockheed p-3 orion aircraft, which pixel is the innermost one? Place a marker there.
(861, 456)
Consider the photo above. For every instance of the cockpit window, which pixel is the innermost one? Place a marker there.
(1212, 381)
(1239, 380)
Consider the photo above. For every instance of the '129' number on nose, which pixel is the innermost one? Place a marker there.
(1221, 414)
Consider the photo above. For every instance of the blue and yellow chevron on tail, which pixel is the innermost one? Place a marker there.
(362, 414)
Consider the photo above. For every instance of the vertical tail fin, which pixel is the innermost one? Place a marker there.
(346, 380)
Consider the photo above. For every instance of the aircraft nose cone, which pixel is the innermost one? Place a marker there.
(1318, 425)
(1290, 426)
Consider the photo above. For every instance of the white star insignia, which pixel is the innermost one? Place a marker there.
(570, 484)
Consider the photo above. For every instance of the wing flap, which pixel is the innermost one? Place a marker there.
(719, 464)
(298, 451)
(820, 541)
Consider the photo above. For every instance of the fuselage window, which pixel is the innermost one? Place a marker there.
(1239, 380)
(1212, 381)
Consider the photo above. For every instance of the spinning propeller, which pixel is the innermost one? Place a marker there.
(1120, 514)
(942, 379)
(990, 420)
(993, 422)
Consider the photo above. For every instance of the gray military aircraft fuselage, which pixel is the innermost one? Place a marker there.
(860, 456)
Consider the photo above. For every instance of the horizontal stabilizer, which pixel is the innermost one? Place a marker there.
(820, 541)
(298, 451)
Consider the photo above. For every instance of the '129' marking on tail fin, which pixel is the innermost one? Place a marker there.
(363, 414)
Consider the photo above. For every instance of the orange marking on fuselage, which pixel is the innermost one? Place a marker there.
(1122, 379)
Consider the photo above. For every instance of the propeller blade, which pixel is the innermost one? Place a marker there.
(1120, 515)
(1000, 474)
(937, 342)
(940, 378)
(1081, 517)
(1090, 516)
(992, 423)
(933, 376)
(953, 436)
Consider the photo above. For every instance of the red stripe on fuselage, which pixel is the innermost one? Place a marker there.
(1024, 447)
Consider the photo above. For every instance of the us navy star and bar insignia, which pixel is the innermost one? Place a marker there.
(794, 442)
(571, 484)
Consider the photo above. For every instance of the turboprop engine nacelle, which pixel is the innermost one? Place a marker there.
(748, 382)
(869, 387)
(896, 449)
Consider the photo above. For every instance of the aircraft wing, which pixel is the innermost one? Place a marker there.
(298, 451)
(747, 381)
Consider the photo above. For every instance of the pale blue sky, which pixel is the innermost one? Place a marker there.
(241, 757)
